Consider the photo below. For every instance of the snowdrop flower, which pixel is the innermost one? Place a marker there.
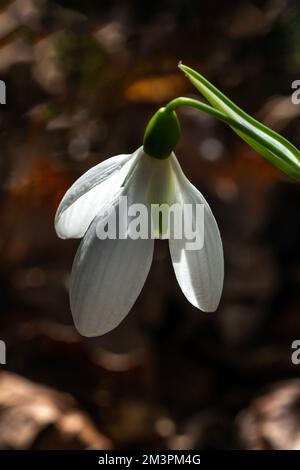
(108, 274)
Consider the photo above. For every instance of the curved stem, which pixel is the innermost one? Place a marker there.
(184, 101)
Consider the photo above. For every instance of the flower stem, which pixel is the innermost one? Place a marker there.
(234, 123)
(183, 101)
(163, 132)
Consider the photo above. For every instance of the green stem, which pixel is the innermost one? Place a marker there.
(183, 101)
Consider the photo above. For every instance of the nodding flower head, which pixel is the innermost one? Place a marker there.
(108, 274)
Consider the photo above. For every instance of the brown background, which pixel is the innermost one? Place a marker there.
(83, 80)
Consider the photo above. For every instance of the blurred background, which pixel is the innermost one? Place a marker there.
(83, 79)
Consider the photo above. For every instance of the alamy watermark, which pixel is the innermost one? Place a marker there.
(295, 357)
(2, 352)
(135, 221)
(2, 92)
(296, 93)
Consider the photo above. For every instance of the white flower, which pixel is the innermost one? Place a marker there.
(108, 275)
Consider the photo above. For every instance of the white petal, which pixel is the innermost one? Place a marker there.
(108, 275)
(107, 278)
(89, 193)
(200, 273)
(152, 183)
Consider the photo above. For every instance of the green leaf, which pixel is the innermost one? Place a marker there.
(268, 143)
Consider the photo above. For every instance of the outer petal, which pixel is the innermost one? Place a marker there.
(200, 273)
(107, 278)
(108, 275)
(89, 193)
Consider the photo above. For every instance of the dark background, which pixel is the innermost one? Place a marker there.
(83, 80)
